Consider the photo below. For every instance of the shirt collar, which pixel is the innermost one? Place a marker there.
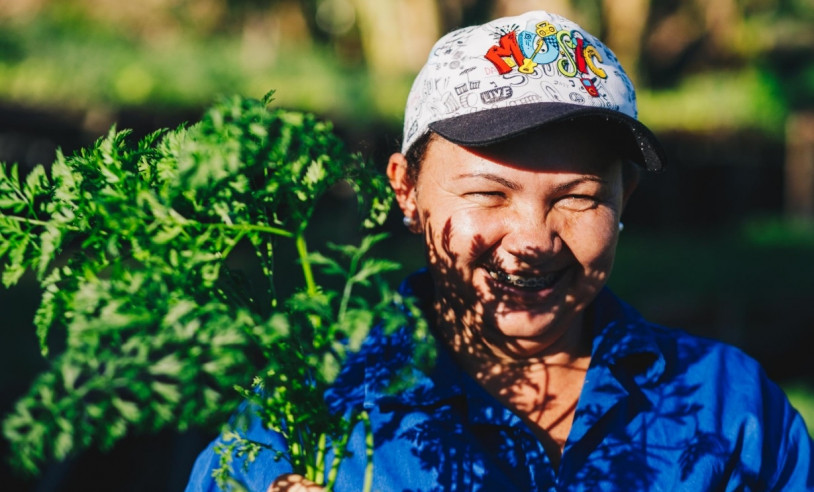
(624, 340)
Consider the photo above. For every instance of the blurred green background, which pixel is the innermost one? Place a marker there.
(721, 245)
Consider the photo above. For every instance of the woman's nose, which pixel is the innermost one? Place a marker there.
(531, 235)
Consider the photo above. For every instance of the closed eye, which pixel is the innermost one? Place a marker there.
(485, 193)
(579, 202)
(486, 197)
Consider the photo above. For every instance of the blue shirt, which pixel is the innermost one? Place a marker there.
(659, 410)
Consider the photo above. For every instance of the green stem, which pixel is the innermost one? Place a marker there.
(26, 220)
(252, 227)
(339, 452)
(320, 460)
(293, 438)
(368, 485)
(243, 228)
(343, 305)
(226, 252)
(267, 262)
(302, 251)
(329, 484)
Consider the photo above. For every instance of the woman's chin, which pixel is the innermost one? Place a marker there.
(523, 334)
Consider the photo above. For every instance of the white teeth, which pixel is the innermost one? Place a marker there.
(524, 282)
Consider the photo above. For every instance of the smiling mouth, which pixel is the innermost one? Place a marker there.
(523, 282)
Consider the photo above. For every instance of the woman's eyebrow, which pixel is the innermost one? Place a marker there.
(493, 177)
(575, 182)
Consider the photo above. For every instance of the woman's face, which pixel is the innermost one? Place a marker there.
(520, 237)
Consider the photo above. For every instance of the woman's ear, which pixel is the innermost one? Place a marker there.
(404, 187)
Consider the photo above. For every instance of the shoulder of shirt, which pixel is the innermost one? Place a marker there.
(681, 351)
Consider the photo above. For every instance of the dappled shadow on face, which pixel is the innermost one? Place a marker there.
(468, 311)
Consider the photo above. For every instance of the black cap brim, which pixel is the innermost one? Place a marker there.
(497, 125)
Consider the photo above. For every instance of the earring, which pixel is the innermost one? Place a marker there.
(621, 227)
(408, 222)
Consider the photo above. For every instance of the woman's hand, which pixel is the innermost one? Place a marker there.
(293, 483)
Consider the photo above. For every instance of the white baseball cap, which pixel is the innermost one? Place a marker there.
(486, 84)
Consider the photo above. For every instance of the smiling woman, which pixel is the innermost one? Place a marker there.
(528, 228)
(521, 238)
(516, 165)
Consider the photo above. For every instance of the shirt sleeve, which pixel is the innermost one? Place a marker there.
(796, 465)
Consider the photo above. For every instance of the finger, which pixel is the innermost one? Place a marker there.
(293, 483)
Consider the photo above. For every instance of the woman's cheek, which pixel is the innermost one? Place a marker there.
(463, 238)
(476, 226)
(592, 237)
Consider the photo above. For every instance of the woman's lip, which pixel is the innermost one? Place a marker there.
(525, 292)
(523, 281)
